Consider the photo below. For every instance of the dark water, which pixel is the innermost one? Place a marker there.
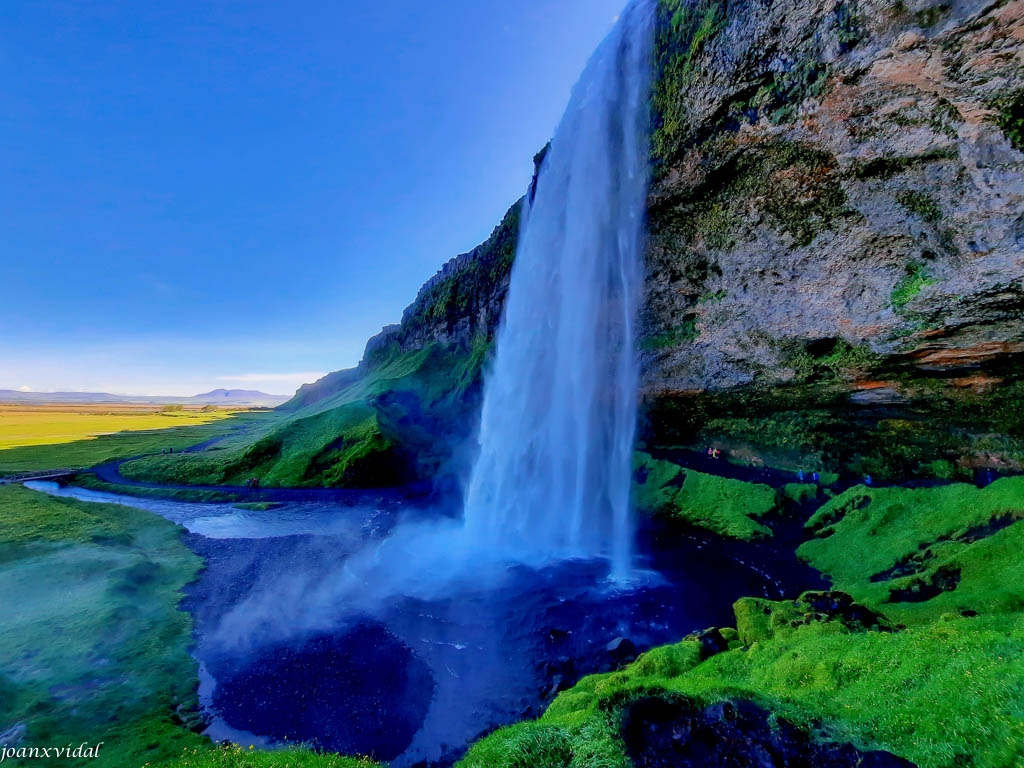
(416, 680)
(413, 676)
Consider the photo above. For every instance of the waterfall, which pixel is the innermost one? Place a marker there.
(552, 477)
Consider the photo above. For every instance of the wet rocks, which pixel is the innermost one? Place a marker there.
(712, 642)
(944, 579)
(673, 732)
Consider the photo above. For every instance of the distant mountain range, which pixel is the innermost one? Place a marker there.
(238, 397)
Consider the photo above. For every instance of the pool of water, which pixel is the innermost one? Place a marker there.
(368, 629)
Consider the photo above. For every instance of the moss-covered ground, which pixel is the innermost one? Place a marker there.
(939, 682)
(925, 552)
(235, 756)
(721, 505)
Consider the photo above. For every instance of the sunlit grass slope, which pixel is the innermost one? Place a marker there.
(945, 691)
(27, 425)
(43, 439)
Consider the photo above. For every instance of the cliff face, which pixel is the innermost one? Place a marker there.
(834, 175)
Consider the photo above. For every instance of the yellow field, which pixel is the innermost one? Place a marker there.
(25, 425)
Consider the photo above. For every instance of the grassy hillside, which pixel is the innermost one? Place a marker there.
(393, 420)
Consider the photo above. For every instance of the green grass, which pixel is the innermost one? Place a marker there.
(864, 532)
(80, 454)
(324, 448)
(94, 647)
(801, 492)
(234, 756)
(943, 696)
(721, 505)
(22, 426)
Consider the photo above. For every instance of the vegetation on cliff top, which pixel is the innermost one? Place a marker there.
(471, 285)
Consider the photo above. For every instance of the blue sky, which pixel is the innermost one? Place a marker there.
(238, 194)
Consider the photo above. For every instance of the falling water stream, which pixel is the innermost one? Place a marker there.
(553, 473)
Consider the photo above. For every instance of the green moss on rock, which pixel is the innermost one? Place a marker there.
(794, 186)
(721, 505)
(684, 28)
(910, 285)
(920, 204)
(888, 547)
(1010, 118)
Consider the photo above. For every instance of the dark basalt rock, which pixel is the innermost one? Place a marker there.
(945, 579)
(840, 606)
(907, 566)
(621, 649)
(711, 642)
(673, 732)
(362, 692)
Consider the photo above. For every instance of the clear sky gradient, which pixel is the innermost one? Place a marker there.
(239, 193)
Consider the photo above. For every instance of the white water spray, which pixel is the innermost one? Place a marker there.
(552, 478)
